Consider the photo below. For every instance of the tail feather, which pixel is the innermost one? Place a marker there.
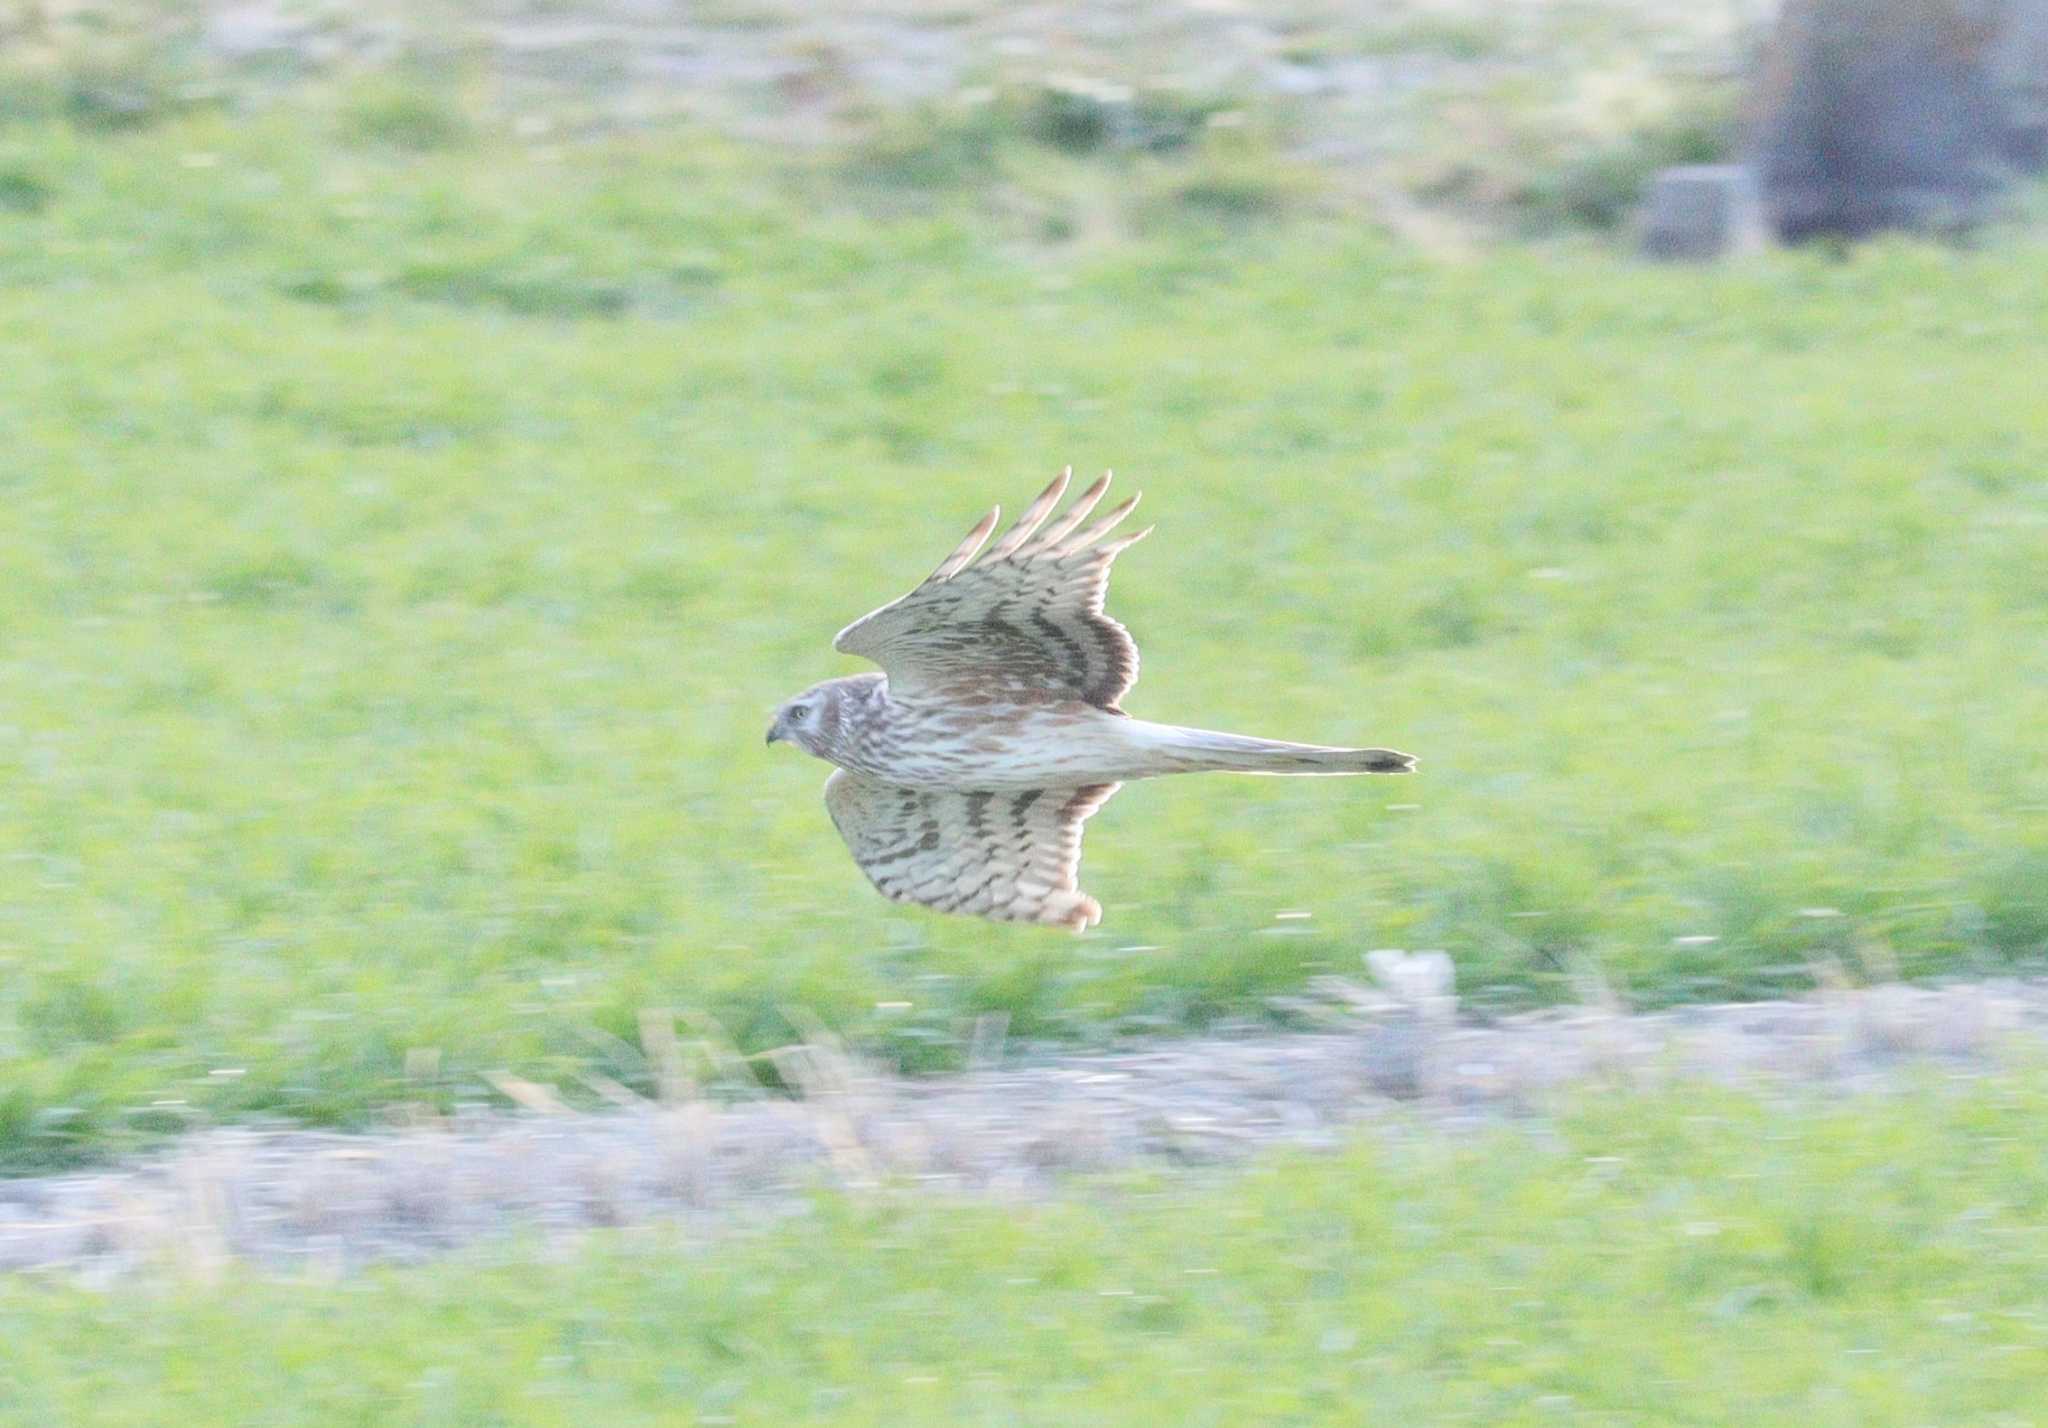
(1196, 750)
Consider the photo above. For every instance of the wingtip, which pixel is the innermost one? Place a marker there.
(1124, 543)
(1101, 528)
(964, 553)
(1082, 913)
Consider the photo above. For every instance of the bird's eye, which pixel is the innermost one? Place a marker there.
(799, 711)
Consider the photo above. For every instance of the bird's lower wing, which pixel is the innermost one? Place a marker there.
(1009, 855)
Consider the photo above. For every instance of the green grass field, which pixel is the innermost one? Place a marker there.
(1679, 1259)
(404, 533)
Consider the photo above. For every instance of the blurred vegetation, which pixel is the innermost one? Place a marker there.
(1672, 1259)
(103, 86)
(1597, 185)
(1082, 160)
(403, 115)
(1535, 119)
(409, 520)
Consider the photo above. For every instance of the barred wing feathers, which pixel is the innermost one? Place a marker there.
(1022, 619)
(1008, 855)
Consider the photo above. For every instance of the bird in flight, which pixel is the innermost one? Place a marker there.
(967, 766)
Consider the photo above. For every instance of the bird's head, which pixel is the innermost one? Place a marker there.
(808, 720)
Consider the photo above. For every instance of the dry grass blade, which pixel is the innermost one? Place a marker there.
(531, 1095)
(202, 1228)
(616, 1048)
(422, 1075)
(985, 1046)
(672, 1080)
(624, 1097)
(722, 1054)
(826, 1091)
(813, 1029)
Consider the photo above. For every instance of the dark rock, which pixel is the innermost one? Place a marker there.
(1876, 114)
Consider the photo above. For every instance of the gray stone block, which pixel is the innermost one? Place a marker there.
(1701, 212)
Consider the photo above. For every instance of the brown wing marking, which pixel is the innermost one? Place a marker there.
(1022, 619)
(1004, 854)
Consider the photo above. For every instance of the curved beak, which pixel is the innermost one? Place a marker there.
(774, 733)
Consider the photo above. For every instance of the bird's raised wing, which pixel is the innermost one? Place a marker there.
(1007, 855)
(1022, 619)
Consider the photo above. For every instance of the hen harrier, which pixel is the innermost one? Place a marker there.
(966, 768)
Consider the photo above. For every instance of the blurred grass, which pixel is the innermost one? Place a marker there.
(406, 530)
(1683, 1258)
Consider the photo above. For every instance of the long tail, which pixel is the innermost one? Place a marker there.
(1196, 750)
